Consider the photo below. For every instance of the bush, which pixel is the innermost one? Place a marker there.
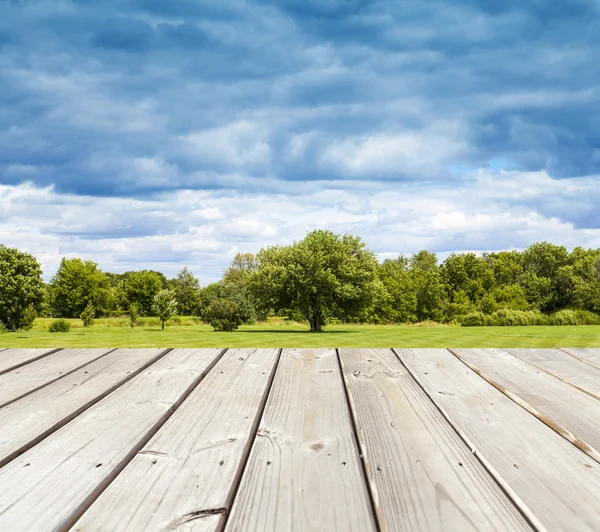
(3, 328)
(585, 317)
(87, 316)
(60, 325)
(510, 318)
(574, 317)
(224, 315)
(473, 319)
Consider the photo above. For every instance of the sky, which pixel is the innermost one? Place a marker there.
(153, 134)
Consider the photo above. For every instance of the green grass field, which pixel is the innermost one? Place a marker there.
(105, 334)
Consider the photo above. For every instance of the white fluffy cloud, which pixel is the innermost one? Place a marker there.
(204, 229)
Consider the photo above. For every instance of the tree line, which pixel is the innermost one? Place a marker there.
(321, 279)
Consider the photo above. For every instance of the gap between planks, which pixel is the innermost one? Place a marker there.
(19, 441)
(25, 380)
(28, 355)
(564, 408)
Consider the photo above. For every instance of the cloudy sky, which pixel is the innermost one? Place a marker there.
(158, 134)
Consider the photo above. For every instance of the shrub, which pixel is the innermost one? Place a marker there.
(224, 315)
(564, 317)
(574, 317)
(507, 318)
(134, 315)
(473, 319)
(585, 317)
(87, 316)
(164, 306)
(60, 325)
(29, 316)
(3, 328)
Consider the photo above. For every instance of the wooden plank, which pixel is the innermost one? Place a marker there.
(570, 412)
(304, 470)
(422, 475)
(61, 476)
(14, 358)
(563, 366)
(33, 417)
(27, 379)
(554, 484)
(587, 354)
(185, 475)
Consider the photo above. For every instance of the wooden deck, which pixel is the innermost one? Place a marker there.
(299, 439)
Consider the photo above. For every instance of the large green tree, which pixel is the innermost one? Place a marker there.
(323, 276)
(76, 285)
(21, 285)
(141, 287)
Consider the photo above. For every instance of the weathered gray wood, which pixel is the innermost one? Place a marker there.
(554, 483)
(184, 476)
(27, 379)
(304, 470)
(570, 412)
(15, 358)
(564, 366)
(31, 418)
(61, 476)
(587, 354)
(423, 476)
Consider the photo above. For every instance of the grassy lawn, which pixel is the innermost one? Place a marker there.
(297, 335)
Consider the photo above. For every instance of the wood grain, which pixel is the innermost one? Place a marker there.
(567, 410)
(587, 354)
(61, 476)
(304, 471)
(423, 476)
(564, 366)
(555, 485)
(33, 417)
(184, 476)
(14, 358)
(27, 379)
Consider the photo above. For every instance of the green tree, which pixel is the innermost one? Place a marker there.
(164, 306)
(134, 315)
(424, 261)
(237, 287)
(28, 320)
(187, 291)
(87, 316)
(141, 288)
(224, 315)
(399, 301)
(76, 285)
(21, 285)
(469, 274)
(323, 276)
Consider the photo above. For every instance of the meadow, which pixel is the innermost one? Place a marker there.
(188, 332)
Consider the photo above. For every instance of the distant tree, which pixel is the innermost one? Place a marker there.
(87, 316)
(224, 315)
(134, 315)
(187, 291)
(424, 261)
(141, 288)
(29, 316)
(21, 285)
(164, 306)
(399, 303)
(323, 276)
(207, 295)
(76, 285)
(237, 287)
